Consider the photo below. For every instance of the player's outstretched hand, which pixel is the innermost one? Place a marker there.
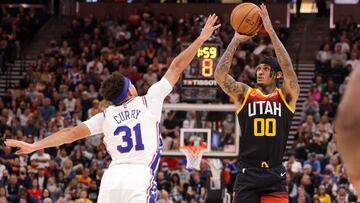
(25, 148)
(209, 27)
(265, 18)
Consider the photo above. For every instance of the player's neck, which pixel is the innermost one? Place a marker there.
(267, 89)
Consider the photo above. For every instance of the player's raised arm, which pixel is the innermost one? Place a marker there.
(291, 86)
(347, 128)
(181, 62)
(227, 83)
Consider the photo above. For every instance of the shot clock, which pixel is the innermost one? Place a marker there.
(198, 83)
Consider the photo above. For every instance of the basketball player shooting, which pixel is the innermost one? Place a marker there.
(131, 129)
(347, 128)
(265, 114)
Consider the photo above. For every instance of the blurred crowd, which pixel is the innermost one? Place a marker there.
(17, 25)
(61, 89)
(315, 170)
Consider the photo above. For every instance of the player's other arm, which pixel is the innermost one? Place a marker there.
(181, 62)
(64, 136)
(227, 83)
(67, 135)
(291, 86)
(347, 128)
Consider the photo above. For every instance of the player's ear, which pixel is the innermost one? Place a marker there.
(132, 91)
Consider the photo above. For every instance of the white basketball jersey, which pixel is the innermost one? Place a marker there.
(132, 132)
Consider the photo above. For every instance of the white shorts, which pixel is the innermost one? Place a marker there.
(127, 183)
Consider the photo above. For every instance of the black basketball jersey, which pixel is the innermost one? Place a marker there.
(265, 122)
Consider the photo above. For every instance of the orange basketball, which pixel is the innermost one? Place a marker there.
(245, 19)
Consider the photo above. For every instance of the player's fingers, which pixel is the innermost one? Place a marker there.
(207, 21)
(210, 19)
(216, 26)
(11, 143)
(215, 19)
(261, 14)
(20, 152)
(265, 9)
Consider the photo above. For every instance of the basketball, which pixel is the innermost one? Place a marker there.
(245, 19)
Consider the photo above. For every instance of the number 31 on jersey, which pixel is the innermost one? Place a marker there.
(128, 138)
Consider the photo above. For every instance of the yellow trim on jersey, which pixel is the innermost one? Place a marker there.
(245, 99)
(264, 95)
(284, 100)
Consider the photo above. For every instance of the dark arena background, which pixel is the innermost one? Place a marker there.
(55, 54)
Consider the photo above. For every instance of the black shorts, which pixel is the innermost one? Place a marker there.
(254, 183)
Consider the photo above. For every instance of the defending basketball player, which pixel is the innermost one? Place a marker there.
(347, 128)
(265, 114)
(131, 129)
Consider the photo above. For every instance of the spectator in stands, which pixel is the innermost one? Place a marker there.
(13, 187)
(196, 189)
(40, 159)
(53, 189)
(183, 173)
(326, 106)
(353, 61)
(314, 163)
(343, 196)
(322, 196)
(94, 109)
(318, 83)
(302, 197)
(47, 111)
(343, 86)
(3, 194)
(83, 198)
(317, 145)
(292, 165)
(84, 177)
(150, 77)
(324, 128)
(315, 94)
(338, 58)
(330, 187)
(308, 128)
(323, 57)
(310, 108)
(35, 191)
(162, 183)
(332, 91)
(344, 42)
(164, 197)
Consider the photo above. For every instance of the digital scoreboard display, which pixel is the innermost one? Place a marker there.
(198, 83)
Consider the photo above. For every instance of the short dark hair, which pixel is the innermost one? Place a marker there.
(272, 62)
(112, 87)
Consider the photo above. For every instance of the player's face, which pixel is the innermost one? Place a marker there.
(265, 75)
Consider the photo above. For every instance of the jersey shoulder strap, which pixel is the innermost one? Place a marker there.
(248, 91)
(283, 98)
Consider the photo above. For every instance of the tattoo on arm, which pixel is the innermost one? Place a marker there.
(226, 82)
(233, 88)
(286, 65)
(224, 64)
